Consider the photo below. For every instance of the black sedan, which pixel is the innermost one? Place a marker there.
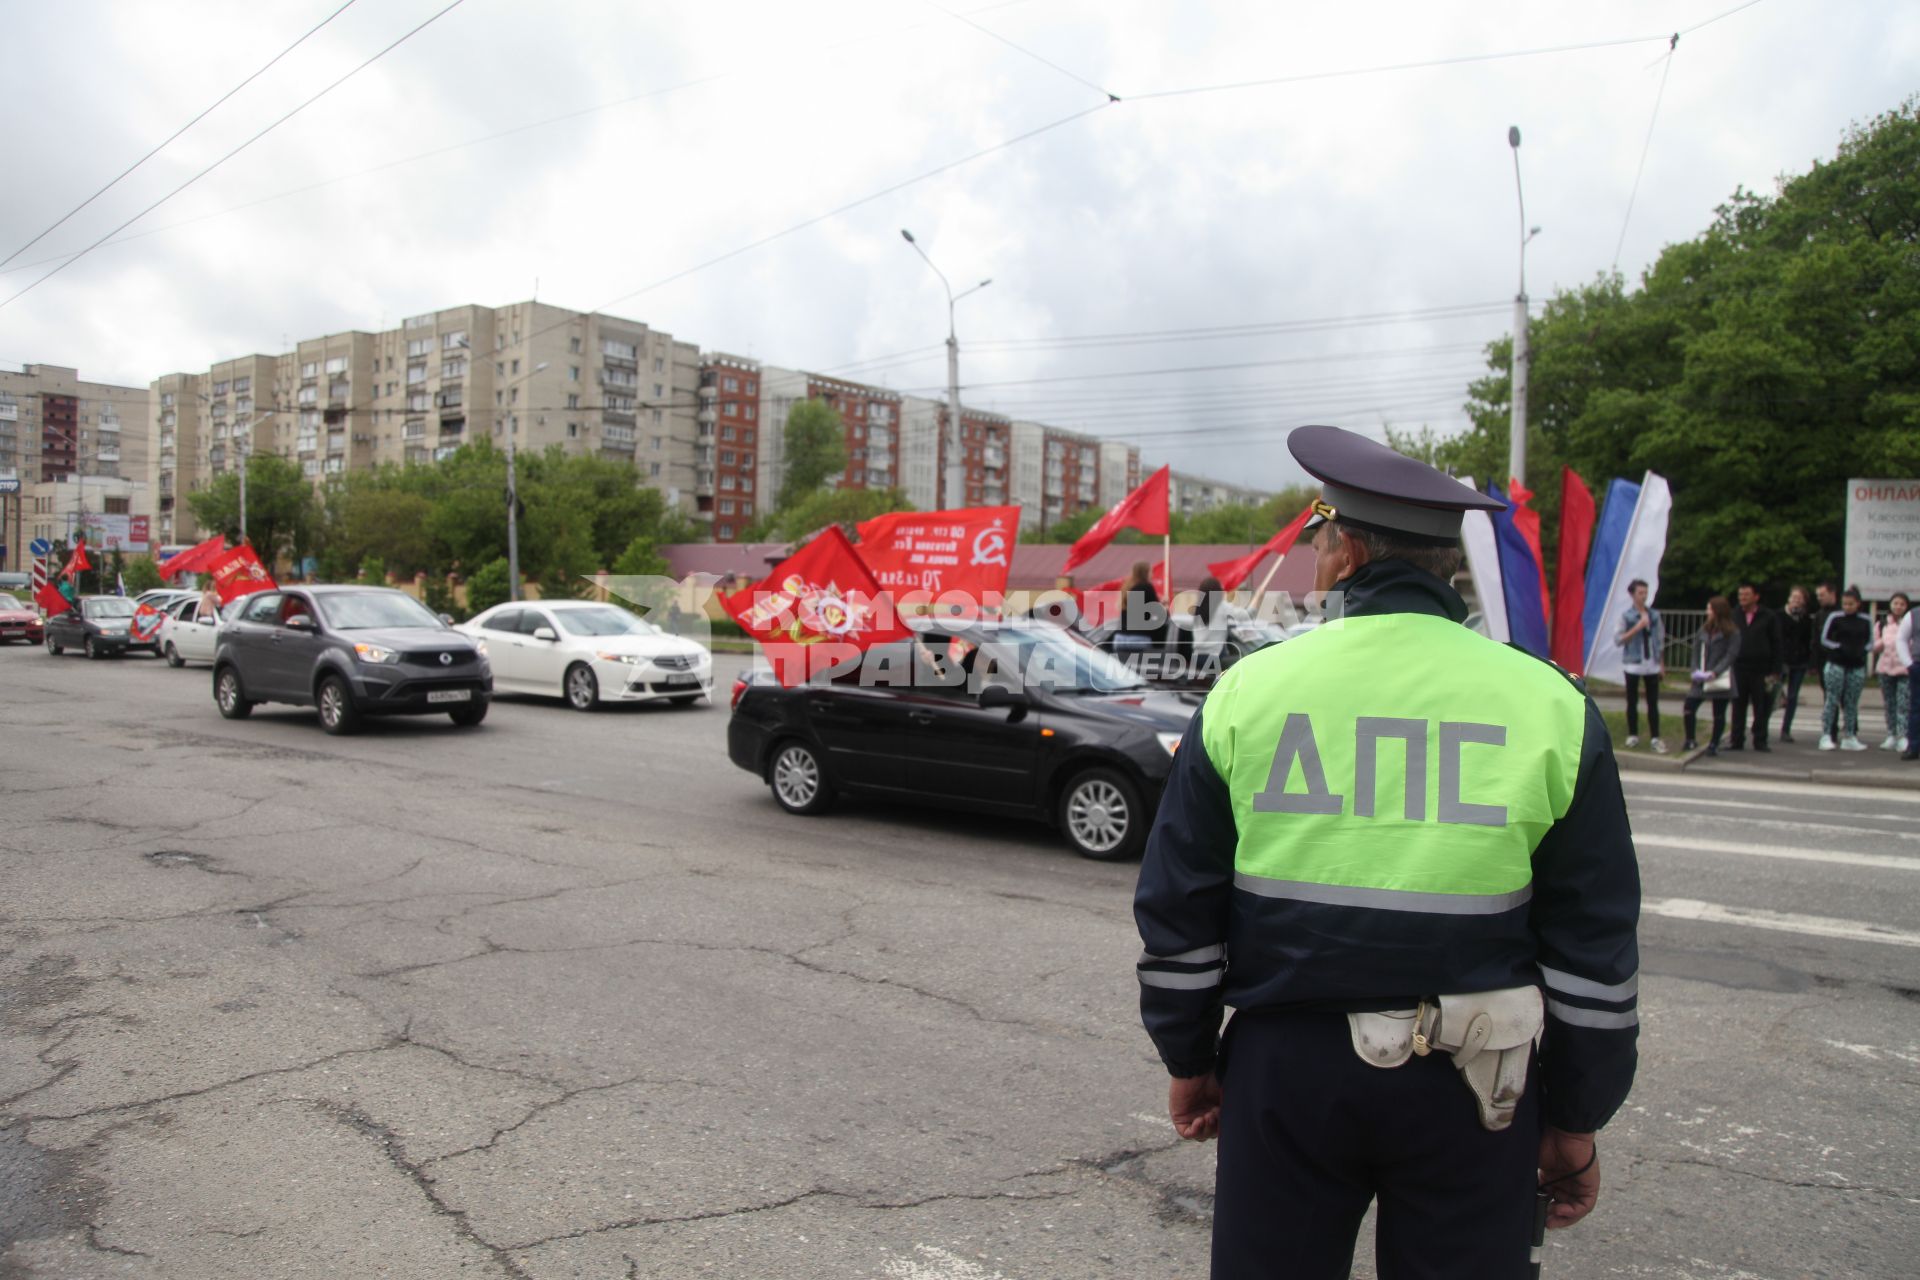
(97, 627)
(351, 652)
(1016, 718)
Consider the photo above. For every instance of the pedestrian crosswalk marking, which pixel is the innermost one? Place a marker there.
(1883, 861)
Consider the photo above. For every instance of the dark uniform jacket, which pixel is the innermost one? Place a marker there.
(1210, 943)
(1763, 647)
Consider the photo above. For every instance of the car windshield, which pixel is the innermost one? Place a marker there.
(602, 620)
(108, 607)
(375, 610)
(1049, 658)
(9, 602)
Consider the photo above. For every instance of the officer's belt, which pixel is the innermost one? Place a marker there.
(1490, 1034)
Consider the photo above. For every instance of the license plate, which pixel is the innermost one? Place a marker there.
(681, 680)
(450, 695)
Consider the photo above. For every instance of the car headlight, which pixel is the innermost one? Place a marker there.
(374, 653)
(1171, 741)
(480, 645)
(625, 659)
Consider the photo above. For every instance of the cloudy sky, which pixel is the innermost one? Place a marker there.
(1309, 246)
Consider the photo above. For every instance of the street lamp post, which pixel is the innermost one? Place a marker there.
(952, 488)
(513, 492)
(1522, 351)
(242, 450)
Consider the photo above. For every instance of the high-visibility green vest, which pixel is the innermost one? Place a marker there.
(1394, 761)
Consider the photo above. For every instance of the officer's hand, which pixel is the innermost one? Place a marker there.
(1193, 1104)
(1570, 1173)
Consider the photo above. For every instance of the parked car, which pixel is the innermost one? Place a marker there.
(98, 627)
(1015, 717)
(19, 621)
(187, 633)
(589, 653)
(351, 652)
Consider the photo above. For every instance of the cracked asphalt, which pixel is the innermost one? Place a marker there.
(567, 996)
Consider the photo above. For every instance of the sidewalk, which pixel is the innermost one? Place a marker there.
(1798, 761)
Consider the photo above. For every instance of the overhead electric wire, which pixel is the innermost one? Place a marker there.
(1021, 49)
(1328, 358)
(237, 150)
(1646, 146)
(164, 142)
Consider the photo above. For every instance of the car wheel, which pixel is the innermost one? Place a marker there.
(337, 712)
(228, 695)
(583, 691)
(799, 782)
(1102, 816)
(53, 646)
(91, 649)
(470, 715)
(173, 656)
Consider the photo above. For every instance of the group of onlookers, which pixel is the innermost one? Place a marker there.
(1746, 653)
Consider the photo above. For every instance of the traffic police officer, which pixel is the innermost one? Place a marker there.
(1380, 841)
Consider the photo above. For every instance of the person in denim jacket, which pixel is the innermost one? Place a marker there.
(1642, 640)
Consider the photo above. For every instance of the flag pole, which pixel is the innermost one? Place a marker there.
(1166, 560)
(1261, 590)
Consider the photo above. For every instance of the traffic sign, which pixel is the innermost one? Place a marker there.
(40, 547)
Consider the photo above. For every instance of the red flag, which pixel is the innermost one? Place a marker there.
(1570, 603)
(968, 550)
(1234, 572)
(1144, 509)
(1527, 522)
(239, 573)
(48, 597)
(194, 559)
(819, 608)
(77, 562)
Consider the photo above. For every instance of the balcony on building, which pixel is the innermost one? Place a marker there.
(619, 417)
(994, 459)
(105, 454)
(452, 428)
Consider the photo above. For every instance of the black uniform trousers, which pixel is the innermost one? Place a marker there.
(1751, 698)
(1310, 1134)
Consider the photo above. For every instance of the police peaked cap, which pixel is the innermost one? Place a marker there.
(1367, 484)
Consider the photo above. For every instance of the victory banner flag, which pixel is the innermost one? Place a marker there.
(1144, 509)
(968, 550)
(77, 562)
(239, 573)
(819, 609)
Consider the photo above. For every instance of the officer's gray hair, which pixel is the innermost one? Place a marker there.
(1441, 559)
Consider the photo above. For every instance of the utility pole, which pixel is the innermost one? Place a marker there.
(1522, 352)
(953, 476)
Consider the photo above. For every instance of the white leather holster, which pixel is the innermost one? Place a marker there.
(1491, 1035)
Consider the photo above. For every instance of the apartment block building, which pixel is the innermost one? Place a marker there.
(542, 374)
(1057, 473)
(57, 427)
(872, 419)
(729, 441)
(1189, 494)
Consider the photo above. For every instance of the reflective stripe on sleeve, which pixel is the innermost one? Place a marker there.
(1340, 895)
(1575, 1016)
(1182, 981)
(1218, 951)
(1568, 984)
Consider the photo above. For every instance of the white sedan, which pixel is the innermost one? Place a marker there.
(185, 635)
(589, 653)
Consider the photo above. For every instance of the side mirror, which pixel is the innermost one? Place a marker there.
(998, 695)
(544, 633)
(300, 622)
(446, 619)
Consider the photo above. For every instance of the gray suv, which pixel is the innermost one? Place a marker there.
(351, 652)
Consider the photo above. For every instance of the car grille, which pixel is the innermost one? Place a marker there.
(675, 662)
(431, 657)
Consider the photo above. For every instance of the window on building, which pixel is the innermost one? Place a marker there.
(573, 431)
(746, 484)
(573, 399)
(241, 386)
(657, 419)
(417, 402)
(751, 413)
(619, 350)
(310, 468)
(729, 384)
(726, 432)
(573, 373)
(516, 366)
(308, 395)
(727, 482)
(454, 340)
(413, 430)
(653, 469)
(656, 444)
(746, 459)
(726, 457)
(726, 531)
(453, 368)
(573, 345)
(416, 374)
(726, 506)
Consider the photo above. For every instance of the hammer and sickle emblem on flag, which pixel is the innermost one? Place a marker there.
(990, 546)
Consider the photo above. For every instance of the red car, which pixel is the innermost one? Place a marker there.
(19, 621)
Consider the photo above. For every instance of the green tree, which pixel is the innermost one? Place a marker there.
(282, 514)
(487, 586)
(844, 507)
(1070, 529)
(142, 575)
(1757, 367)
(641, 559)
(816, 448)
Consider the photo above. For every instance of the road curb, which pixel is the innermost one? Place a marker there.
(1878, 779)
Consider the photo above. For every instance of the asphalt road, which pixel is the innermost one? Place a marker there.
(566, 995)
